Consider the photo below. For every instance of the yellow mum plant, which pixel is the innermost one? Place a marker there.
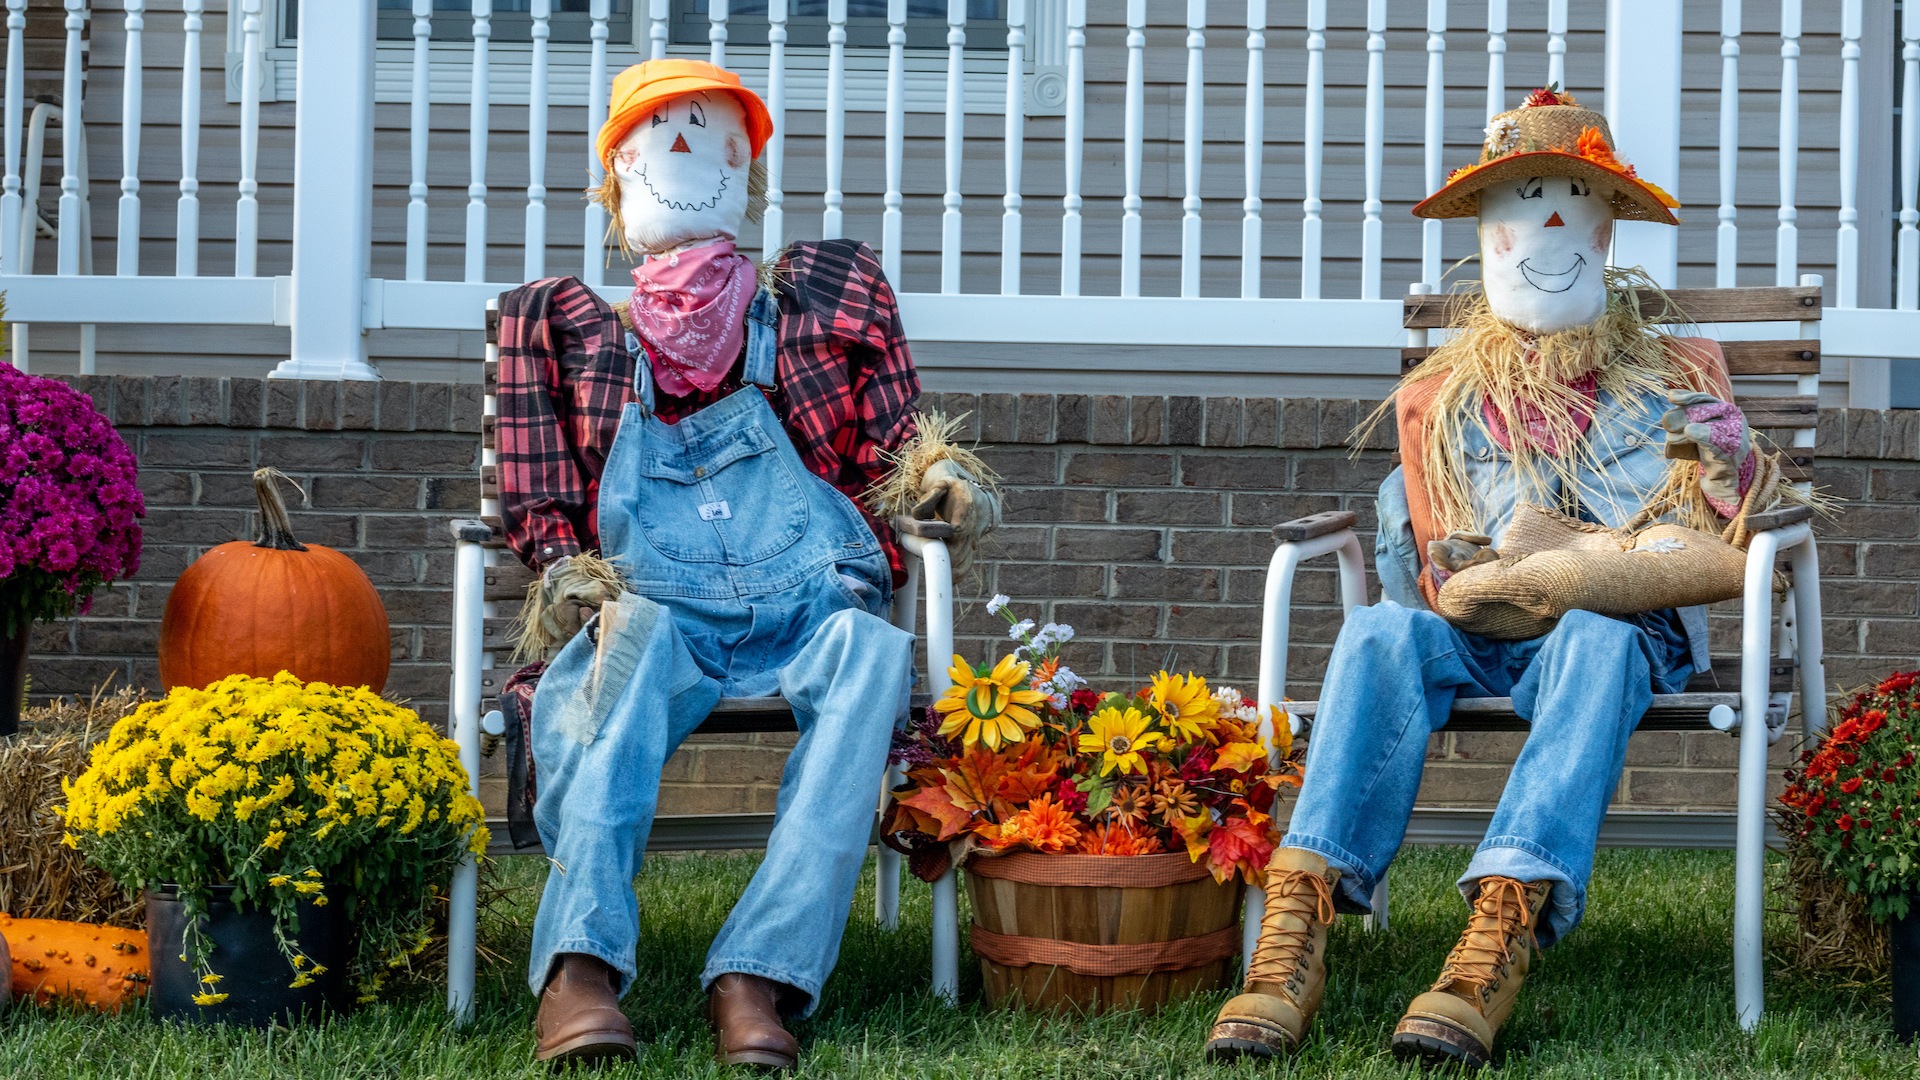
(291, 793)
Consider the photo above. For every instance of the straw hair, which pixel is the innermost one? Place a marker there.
(1626, 350)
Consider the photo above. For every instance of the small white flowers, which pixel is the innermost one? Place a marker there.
(998, 603)
(1502, 136)
(1018, 631)
(1232, 704)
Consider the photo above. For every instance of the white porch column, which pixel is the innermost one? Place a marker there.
(332, 191)
(1642, 98)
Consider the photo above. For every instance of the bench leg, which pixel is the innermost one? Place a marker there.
(1750, 853)
(886, 883)
(464, 725)
(1376, 923)
(946, 937)
(1252, 910)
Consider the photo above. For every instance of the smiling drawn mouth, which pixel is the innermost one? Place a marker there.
(1554, 283)
(684, 207)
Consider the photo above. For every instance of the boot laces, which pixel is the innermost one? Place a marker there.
(1297, 901)
(1502, 918)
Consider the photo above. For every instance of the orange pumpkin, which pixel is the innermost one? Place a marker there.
(101, 966)
(271, 605)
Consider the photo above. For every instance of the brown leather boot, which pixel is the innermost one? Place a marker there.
(1457, 1021)
(746, 1023)
(1288, 973)
(580, 1018)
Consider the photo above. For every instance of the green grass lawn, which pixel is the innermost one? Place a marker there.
(1642, 989)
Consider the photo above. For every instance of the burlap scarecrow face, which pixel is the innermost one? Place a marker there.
(683, 172)
(1543, 250)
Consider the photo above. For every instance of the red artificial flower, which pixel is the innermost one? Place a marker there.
(1084, 700)
(1072, 799)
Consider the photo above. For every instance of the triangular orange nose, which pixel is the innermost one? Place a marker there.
(680, 147)
(1551, 222)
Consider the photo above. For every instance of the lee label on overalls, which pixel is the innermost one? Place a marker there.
(715, 511)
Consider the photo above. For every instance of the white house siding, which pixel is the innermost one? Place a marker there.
(406, 354)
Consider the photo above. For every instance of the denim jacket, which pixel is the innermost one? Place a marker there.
(1628, 463)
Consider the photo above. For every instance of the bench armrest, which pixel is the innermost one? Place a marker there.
(1306, 528)
(926, 530)
(1779, 518)
(471, 531)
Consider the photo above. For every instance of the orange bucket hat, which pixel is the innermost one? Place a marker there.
(641, 87)
(1550, 134)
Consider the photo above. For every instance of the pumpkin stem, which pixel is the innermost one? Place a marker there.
(276, 530)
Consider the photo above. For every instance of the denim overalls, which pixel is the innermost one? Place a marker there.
(749, 576)
(1397, 667)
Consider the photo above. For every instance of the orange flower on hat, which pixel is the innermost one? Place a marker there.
(1593, 146)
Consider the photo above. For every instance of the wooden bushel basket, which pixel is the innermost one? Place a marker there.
(1099, 932)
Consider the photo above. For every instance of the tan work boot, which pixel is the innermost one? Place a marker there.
(1288, 973)
(1457, 1020)
(580, 1019)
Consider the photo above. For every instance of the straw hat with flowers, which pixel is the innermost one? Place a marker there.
(1550, 134)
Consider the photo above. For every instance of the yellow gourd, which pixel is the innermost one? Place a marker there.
(101, 966)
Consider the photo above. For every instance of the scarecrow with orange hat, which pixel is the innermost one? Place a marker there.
(703, 476)
(1558, 391)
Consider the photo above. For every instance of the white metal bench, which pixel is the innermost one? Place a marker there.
(486, 574)
(1748, 696)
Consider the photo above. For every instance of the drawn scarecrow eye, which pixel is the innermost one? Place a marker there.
(696, 115)
(1531, 189)
(659, 118)
(1580, 187)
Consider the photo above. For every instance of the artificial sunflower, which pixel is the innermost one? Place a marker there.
(1119, 736)
(1131, 804)
(990, 708)
(1188, 707)
(1172, 800)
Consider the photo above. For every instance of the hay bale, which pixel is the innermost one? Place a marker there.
(40, 878)
(1833, 933)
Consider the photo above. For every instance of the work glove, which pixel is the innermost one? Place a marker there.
(1458, 551)
(951, 494)
(568, 598)
(1702, 427)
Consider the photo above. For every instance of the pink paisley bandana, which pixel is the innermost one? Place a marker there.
(1539, 433)
(690, 308)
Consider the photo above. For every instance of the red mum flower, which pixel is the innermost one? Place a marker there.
(1845, 822)
(1084, 700)
(1850, 786)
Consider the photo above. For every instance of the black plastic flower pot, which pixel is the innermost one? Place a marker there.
(253, 974)
(13, 677)
(1903, 942)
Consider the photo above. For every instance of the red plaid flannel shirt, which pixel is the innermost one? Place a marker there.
(845, 390)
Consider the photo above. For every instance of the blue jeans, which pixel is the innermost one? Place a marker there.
(750, 576)
(1391, 683)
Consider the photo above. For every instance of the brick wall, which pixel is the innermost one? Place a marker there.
(1140, 520)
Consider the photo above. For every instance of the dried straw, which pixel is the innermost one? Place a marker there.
(39, 877)
(1833, 933)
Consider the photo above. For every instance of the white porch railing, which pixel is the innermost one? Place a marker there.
(330, 299)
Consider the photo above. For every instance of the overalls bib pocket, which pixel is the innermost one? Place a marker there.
(741, 503)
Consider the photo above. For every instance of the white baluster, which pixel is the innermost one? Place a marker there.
(717, 32)
(418, 128)
(1315, 149)
(830, 223)
(1015, 147)
(1847, 243)
(593, 259)
(1255, 145)
(1557, 43)
(186, 257)
(535, 265)
(891, 222)
(773, 225)
(127, 255)
(1496, 58)
(1909, 238)
(1787, 242)
(10, 198)
(1135, 127)
(477, 131)
(1370, 228)
(955, 134)
(71, 134)
(1075, 146)
(246, 212)
(1726, 257)
(659, 12)
(1195, 147)
(1435, 133)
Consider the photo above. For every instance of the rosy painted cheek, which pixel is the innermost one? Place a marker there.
(736, 152)
(1602, 236)
(1502, 240)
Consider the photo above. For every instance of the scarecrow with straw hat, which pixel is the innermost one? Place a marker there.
(1557, 390)
(703, 476)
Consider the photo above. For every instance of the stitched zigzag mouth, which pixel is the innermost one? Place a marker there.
(684, 207)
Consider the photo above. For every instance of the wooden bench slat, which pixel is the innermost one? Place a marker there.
(1768, 304)
(1669, 712)
(1786, 356)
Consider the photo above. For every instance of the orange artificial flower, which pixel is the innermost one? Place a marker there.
(1046, 826)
